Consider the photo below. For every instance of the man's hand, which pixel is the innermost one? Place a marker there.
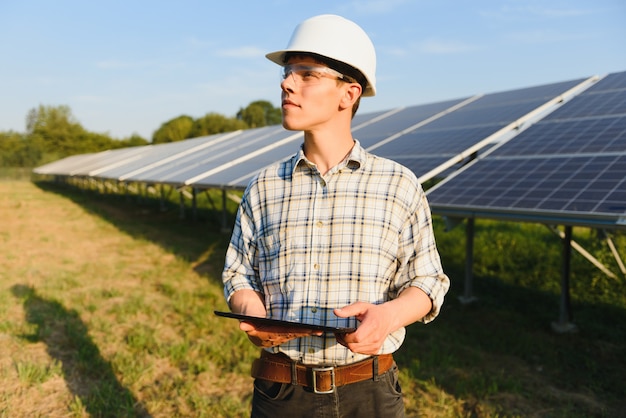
(373, 329)
(378, 321)
(252, 303)
(270, 336)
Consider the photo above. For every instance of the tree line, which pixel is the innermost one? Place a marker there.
(52, 133)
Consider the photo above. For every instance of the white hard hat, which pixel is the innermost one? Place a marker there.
(337, 38)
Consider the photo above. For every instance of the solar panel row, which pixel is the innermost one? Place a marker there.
(568, 168)
(426, 138)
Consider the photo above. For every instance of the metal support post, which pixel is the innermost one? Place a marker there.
(564, 323)
(468, 293)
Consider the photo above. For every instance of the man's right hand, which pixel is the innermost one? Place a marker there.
(271, 336)
(252, 303)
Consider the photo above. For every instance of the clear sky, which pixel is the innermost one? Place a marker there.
(127, 66)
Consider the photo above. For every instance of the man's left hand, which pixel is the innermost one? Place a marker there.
(375, 325)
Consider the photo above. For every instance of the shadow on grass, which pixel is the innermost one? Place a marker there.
(88, 376)
(200, 242)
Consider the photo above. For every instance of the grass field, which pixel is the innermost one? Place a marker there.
(106, 311)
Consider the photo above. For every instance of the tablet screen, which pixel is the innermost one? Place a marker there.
(278, 322)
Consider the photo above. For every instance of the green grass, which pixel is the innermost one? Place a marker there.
(34, 373)
(106, 310)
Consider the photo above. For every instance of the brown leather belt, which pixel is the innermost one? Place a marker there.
(322, 379)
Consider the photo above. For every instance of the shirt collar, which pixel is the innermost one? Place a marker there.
(357, 157)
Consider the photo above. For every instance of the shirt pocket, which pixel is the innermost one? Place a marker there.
(276, 263)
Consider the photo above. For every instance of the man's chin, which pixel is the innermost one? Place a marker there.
(291, 126)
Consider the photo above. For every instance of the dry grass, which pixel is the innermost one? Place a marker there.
(95, 315)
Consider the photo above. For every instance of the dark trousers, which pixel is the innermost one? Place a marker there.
(369, 398)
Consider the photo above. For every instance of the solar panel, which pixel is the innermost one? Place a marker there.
(238, 155)
(113, 158)
(177, 170)
(239, 175)
(598, 104)
(422, 164)
(399, 121)
(569, 167)
(614, 81)
(427, 142)
(159, 154)
(504, 107)
(527, 94)
(581, 135)
(605, 98)
(361, 118)
(565, 184)
(89, 164)
(66, 165)
(449, 139)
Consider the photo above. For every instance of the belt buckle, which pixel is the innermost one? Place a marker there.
(330, 369)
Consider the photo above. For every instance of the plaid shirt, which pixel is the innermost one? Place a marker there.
(312, 243)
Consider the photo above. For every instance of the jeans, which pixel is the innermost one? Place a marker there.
(369, 398)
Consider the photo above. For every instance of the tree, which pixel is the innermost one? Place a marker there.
(56, 129)
(53, 133)
(15, 151)
(173, 130)
(134, 140)
(260, 113)
(214, 123)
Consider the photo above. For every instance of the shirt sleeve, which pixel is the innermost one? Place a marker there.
(241, 262)
(420, 262)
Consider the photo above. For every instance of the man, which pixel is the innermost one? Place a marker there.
(333, 236)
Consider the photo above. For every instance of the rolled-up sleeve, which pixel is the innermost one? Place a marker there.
(241, 262)
(422, 264)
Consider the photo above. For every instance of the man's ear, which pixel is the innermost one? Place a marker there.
(351, 95)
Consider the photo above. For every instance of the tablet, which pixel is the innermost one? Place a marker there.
(277, 322)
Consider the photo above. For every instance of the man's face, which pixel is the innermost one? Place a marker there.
(310, 94)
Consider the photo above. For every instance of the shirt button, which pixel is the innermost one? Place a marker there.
(314, 309)
(311, 350)
(316, 266)
(319, 224)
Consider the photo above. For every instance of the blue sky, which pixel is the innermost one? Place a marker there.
(127, 66)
